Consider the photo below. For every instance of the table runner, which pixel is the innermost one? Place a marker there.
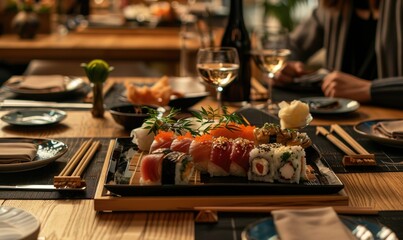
(332, 156)
(45, 175)
(231, 225)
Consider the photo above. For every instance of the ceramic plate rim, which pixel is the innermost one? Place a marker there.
(61, 117)
(346, 220)
(379, 139)
(27, 166)
(29, 233)
(343, 102)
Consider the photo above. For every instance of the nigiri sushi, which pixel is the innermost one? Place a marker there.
(182, 143)
(219, 164)
(240, 156)
(200, 149)
(162, 140)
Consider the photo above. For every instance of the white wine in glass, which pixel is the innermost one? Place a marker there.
(270, 53)
(218, 66)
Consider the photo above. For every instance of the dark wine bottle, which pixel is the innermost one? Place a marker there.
(236, 35)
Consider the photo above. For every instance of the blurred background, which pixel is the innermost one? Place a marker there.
(64, 17)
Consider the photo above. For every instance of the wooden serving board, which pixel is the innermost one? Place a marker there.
(105, 201)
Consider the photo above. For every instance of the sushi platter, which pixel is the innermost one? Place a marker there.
(120, 187)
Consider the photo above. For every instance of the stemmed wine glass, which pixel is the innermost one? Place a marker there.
(217, 66)
(270, 52)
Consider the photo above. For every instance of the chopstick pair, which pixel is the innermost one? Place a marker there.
(353, 158)
(70, 176)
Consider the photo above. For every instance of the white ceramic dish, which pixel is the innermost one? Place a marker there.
(17, 224)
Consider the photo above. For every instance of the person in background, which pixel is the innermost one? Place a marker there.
(364, 50)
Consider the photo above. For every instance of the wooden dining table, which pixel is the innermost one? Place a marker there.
(77, 219)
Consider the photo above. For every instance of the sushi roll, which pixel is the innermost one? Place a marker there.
(219, 164)
(162, 140)
(240, 157)
(182, 143)
(200, 150)
(177, 168)
(262, 165)
(292, 164)
(164, 166)
(266, 134)
(151, 168)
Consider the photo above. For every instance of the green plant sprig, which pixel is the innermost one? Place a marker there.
(209, 119)
(158, 122)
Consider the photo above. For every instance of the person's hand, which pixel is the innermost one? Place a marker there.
(343, 85)
(290, 71)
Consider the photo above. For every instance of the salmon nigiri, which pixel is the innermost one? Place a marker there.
(162, 140)
(200, 150)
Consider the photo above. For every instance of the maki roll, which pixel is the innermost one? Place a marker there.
(164, 166)
(150, 167)
(292, 164)
(177, 168)
(240, 157)
(262, 165)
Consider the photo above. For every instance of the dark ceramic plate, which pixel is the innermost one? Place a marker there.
(192, 89)
(119, 175)
(325, 105)
(366, 129)
(361, 229)
(126, 115)
(49, 150)
(34, 117)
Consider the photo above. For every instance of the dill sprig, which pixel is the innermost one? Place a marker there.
(209, 119)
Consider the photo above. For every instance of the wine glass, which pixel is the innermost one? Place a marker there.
(270, 52)
(218, 66)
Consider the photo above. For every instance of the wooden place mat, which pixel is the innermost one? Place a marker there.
(45, 175)
(333, 156)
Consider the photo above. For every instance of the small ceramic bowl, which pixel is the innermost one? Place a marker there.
(130, 116)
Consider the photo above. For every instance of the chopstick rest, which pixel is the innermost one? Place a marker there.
(70, 176)
(359, 158)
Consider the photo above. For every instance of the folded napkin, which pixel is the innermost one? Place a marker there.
(39, 82)
(17, 152)
(392, 129)
(317, 223)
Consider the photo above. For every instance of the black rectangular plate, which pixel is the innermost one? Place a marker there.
(118, 177)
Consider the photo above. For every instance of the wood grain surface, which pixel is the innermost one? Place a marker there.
(77, 219)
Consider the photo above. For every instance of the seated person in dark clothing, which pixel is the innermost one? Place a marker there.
(364, 52)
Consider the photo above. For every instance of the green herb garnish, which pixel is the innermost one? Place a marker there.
(209, 119)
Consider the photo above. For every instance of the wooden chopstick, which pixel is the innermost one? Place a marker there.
(73, 162)
(334, 140)
(338, 209)
(86, 159)
(76, 166)
(340, 131)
